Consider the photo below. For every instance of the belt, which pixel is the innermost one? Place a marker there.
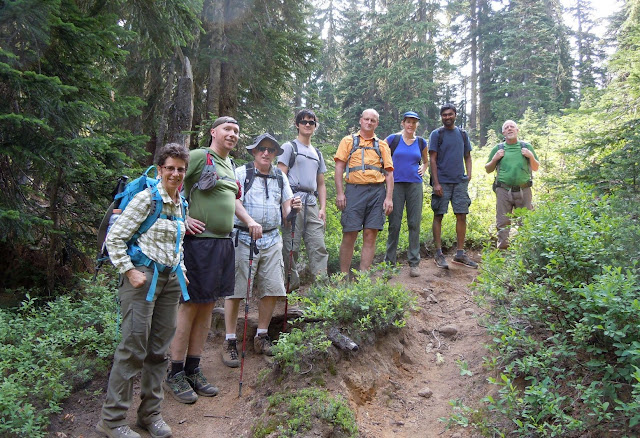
(513, 188)
(365, 184)
(246, 230)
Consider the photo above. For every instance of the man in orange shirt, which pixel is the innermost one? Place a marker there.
(366, 160)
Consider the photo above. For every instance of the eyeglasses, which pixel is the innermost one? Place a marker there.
(264, 148)
(171, 169)
(308, 122)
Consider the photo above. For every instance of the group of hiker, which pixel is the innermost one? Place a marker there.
(197, 254)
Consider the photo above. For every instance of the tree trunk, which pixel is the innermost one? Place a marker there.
(182, 109)
(474, 68)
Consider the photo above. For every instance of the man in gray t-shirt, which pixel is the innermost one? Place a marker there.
(305, 170)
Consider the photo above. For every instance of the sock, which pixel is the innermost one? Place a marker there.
(230, 337)
(191, 364)
(460, 253)
(176, 367)
(439, 251)
(261, 331)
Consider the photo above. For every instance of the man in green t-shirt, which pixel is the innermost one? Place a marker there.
(513, 161)
(209, 256)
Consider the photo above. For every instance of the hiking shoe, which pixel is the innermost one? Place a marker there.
(199, 383)
(230, 353)
(414, 271)
(262, 344)
(441, 262)
(178, 386)
(157, 429)
(116, 432)
(465, 261)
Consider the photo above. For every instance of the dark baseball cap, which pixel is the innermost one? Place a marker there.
(410, 114)
(224, 119)
(265, 137)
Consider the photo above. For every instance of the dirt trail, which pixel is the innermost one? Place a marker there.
(383, 382)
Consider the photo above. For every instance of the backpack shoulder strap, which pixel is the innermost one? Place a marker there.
(249, 177)
(394, 143)
(294, 153)
(465, 136)
(440, 136)
(154, 214)
(422, 143)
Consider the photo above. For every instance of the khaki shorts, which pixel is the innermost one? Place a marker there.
(267, 272)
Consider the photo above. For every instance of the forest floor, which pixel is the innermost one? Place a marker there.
(400, 386)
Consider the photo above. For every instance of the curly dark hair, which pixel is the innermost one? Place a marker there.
(173, 150)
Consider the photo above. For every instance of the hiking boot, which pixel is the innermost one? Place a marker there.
(465, 261)
(199, 383)
(441, 262)
(178, 386)
(262, 344)
(116, 432)
(414, 271)
(230, 353)
(157, 429)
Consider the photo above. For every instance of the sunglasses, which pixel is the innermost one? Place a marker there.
(264, 148)
(308, 122)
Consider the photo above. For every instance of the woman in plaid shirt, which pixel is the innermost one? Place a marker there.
(147, 326)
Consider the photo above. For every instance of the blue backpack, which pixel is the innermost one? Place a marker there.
(138, 258)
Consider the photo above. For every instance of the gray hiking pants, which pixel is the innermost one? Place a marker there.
(313, 237)
(506, 202)
(410, 194)
(147, 330)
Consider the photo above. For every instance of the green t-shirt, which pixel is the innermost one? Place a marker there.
(215, 207)
(514, 167)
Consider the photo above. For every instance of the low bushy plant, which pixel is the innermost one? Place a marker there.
(47, 351)
(566, 320)
(294, 413)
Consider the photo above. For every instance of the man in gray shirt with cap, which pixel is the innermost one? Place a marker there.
(305, 167)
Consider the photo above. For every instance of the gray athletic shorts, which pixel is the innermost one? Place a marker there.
(458, 194)
(364, 207)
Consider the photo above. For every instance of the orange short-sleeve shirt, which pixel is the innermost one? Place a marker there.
(369, 176)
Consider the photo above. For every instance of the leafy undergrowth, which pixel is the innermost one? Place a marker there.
(48, 351)
(565, 324)
(360, 309)
(296, 413)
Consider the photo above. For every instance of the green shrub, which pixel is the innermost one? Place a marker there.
(366, 304)
(293, 413)
(300, 348)
(47, 351)
(566, 321)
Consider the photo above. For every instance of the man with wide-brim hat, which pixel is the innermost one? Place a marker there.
(266, 197)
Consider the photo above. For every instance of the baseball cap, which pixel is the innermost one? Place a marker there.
(224, 119)
(411, 114)
(265, 137)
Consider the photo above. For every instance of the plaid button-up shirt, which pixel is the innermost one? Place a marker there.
(158, 243)
(265, 211)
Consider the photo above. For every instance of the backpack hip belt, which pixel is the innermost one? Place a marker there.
(514, 188)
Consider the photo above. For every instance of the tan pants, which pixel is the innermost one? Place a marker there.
(313, 237)
(506, 202)
(147, 330)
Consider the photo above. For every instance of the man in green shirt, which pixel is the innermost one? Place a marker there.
(209, 256)
(513, 161)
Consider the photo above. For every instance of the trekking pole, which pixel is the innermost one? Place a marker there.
(252, 249)
(286, 298)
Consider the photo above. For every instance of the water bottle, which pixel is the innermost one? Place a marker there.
(115, 214)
